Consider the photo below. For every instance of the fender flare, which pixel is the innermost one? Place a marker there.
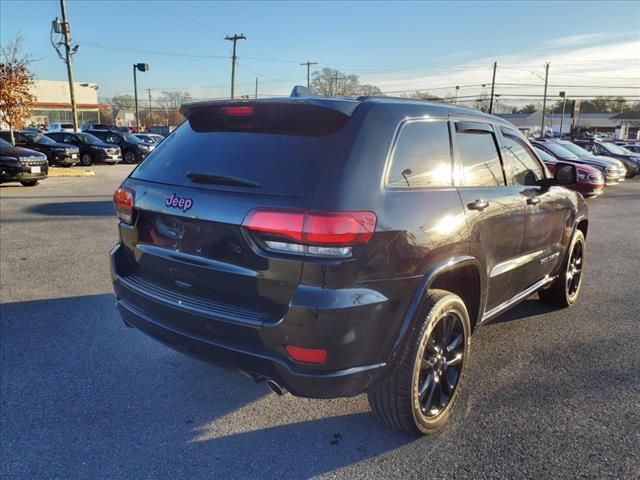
(425, 283)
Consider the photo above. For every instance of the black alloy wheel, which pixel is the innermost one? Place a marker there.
(441, 365)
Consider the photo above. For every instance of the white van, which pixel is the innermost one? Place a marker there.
(60, 127)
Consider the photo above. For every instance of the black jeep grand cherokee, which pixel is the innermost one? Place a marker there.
(332, 246)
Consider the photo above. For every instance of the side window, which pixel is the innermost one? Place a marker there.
(519, 163)
(477, 155)
(422, 156)
(68, 139)
(112, 139)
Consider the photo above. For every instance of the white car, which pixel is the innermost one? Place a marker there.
(60, 127)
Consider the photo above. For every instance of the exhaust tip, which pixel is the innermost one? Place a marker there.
(276, 388)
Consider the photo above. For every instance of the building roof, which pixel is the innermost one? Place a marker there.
(634, 115)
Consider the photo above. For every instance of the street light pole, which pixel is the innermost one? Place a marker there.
(143, 67)
(544, 99)
(455, 101)
(564, 104)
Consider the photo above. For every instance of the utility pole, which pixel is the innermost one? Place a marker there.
(493, 86)
(455, 102)
(66, 30)
(544, 99)
(308, 65)
(234, 38)
(149, 118)
(256, 88)
(335, 78)
(564, 104)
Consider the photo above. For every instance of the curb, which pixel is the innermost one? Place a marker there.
(70, 172)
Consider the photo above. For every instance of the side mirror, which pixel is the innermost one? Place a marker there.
(565, 174)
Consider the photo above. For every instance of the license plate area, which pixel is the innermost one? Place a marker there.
(36, 170)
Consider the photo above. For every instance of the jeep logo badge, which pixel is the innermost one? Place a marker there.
(175, 201)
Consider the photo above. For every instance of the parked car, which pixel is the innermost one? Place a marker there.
(163, 130)
(103, 126)
(630, 159)
(57, 153)
(92, 149)
(589, 180)
(612, 170)
(630, 169)
(133, 149)
(22, 165)
(150, 138)
(60, 127)
(633, 147)
(325, 246)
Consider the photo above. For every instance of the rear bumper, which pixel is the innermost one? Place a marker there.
(357, 338)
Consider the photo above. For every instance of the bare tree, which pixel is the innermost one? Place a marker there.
(170, 103)
(330, 82)
(16, 82)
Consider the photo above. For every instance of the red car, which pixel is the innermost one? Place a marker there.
(589, 180)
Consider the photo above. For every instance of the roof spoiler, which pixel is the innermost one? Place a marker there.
(344, 106)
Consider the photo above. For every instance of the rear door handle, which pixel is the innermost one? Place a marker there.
(533, 201)
(478, 204)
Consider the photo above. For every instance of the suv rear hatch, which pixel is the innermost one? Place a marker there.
(191, 196)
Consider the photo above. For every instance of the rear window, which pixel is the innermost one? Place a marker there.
(283, 148)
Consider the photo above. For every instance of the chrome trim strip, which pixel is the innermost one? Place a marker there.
(514, 263)
(520, 296)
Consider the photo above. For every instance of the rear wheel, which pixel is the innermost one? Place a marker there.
(86, 159)
(29, 183)
(419, 396)
(565, 289)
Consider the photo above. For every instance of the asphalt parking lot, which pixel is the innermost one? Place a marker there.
(548, 394)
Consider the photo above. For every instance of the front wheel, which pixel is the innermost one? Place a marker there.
(29, 183)
(129, 157)
(418, 397)
(86, 159)
(564, 290)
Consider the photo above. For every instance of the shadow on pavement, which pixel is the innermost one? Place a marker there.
(76, 209)
(84, 396)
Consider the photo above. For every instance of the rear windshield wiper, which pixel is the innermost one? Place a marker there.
(221, 180)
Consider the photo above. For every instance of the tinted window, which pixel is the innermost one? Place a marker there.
(284, 148)
(559, 151)
(422, 156)
(575, 149)
(477, 154)
(520, 165)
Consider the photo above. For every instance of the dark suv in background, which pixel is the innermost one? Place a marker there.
(630, 159)
(133, 149)
(331, 247)
(22, 165)
(92, 149)
(57, 153)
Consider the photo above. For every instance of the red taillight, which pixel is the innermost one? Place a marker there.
(314, 227)
(124, 201)
(307, 355)
(242, 111)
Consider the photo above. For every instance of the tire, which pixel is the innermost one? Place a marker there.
(29, 183)
(129, 157)
(86, 159)
(565, 289)
(397, 400)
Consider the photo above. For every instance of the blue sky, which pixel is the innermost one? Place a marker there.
(396, 45)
